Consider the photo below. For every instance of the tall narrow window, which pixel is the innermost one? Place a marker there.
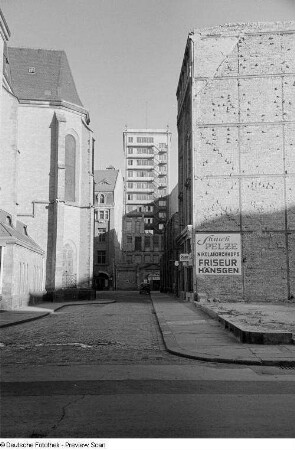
(70, 168)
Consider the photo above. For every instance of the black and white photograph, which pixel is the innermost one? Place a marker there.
(147, 224)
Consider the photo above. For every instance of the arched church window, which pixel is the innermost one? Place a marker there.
(70, 168)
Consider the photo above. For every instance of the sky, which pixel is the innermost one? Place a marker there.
(126, 55)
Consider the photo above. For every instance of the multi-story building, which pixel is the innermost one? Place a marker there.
(169, 270)
(108, 216)
(236, 125)
(146, 206)
(46, 176)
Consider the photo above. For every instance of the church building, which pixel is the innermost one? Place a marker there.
(46, 178)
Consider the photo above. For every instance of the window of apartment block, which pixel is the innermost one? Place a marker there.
(137, 226)
(130, 162)
(162, 202)
(148, 220)
(163, 169)
(130, 150)
(129, 258)
(130, 173)
(137, 259)
(145, 150)
(143, 197)
(143, 173)
(145, 140)
(102, 198)
(148, 231)
(101, 257)
(156, 259)
(130, 185)
(129, 196)
(137, 243)
(162, 145)
(70, 168)
(156, 242)
(128, 226)
(163, 157)
(161, 226)
(162, 215)
(104, 214)
(147, 258)
(147, 242)
(101, 234)
(130, 139)
(129, 239)
(143, 162)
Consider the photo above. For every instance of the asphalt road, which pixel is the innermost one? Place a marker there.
(103, 372)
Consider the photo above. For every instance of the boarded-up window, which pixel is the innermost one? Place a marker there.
(70, 168)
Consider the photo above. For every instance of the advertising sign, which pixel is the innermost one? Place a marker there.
(185, 257)
(218, 254)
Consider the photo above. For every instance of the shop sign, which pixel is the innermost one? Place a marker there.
(154, 275)
(218, 254)
(185, 257)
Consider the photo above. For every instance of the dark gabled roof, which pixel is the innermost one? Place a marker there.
(17, 234)
(10, 234)
(105, 180)
(38, 74)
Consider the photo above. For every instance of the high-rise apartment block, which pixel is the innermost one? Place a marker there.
(146, 205)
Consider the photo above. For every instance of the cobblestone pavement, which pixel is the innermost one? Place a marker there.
(125, 332)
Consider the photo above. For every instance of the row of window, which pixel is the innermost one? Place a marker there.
(139, 208)
(128, 227)
(161, 214)
(142, 185)
(140, 150)
(139, 197)
(140, 162)
(142, 140)
(138, 259)
(144, 208)
(146, 241)
(140, 173)
(145, 173)
(148, 162)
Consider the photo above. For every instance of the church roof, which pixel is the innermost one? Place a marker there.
(38, 74)
(105, 180)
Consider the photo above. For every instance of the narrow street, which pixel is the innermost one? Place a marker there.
(102, 371)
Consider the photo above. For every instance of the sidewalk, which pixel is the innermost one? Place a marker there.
(189, 331)
(29, 313)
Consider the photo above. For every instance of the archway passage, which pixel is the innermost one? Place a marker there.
(102, 282)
